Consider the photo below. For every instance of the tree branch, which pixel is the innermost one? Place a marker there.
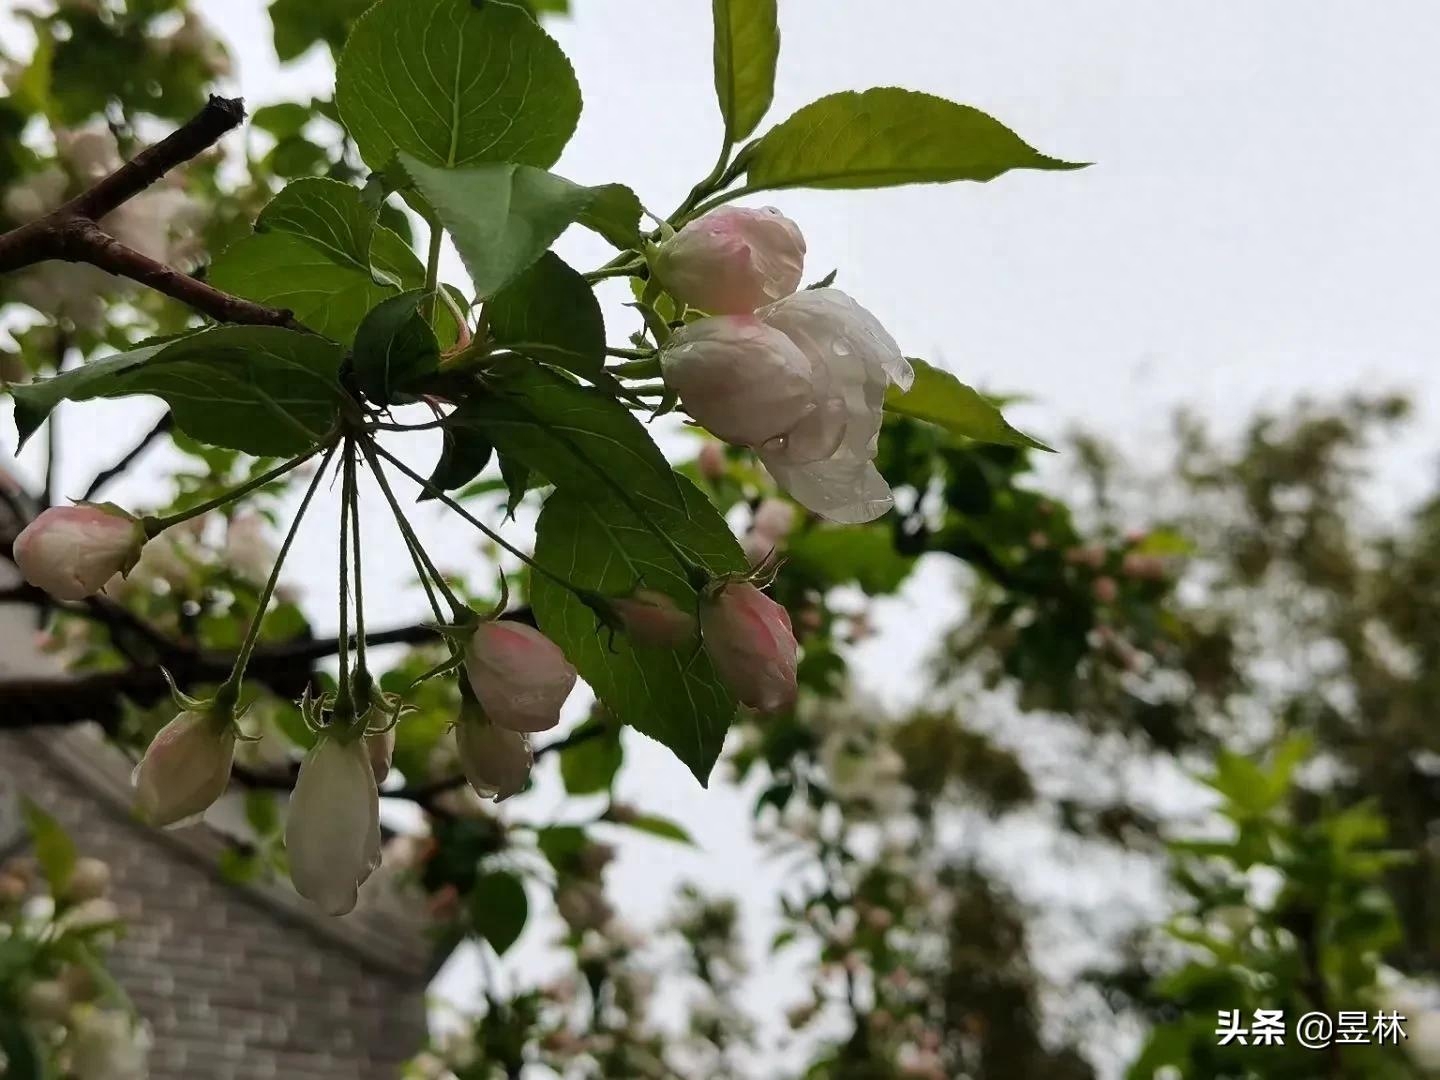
(71, 233)
(81, 240)
(162, 427)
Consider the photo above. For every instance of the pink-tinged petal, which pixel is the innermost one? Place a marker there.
(73, 551)
(654, 620)
(741, 380)
(749, 639)
(520, 677)
(733, 260)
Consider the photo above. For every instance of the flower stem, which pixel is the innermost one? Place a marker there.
(154, 526)
(344, 702)
(477, 523)
(432, 268)
(229, 692)
(627, 269)
(363, 681)
(459, 608)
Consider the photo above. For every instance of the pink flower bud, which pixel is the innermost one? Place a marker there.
(332, 836)
(752, 645)
(520, 676)
(1142, 567)
(496, 761)
(89, 880)
(743, 381)
(711, 462)
(1091, 555)
(1105, 590)
(72, 551)
(380, 748)
(654, 620)
(186, 768)
(733, 260)
(774, 518)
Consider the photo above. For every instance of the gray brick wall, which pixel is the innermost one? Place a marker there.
(237, 984)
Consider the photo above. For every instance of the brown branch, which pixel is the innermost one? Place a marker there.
(162, 427)
(81, 240)
(71, 233)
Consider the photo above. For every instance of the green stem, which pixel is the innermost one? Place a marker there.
(432, 268)
(458, 607)
(229, 692)
(629, 269)
(644, 361)
(362, 671)
(473, 520)
(154, 526)
(706, 186)
(344, 702)
(719, 200)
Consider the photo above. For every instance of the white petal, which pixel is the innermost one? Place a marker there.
(844, 491)
(333, 828)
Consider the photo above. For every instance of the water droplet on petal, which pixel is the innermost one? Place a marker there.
(840, 348)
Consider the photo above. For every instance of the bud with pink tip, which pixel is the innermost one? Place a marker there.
(332, 836)
(520, 677)
(741, 380)
(711, 462)
(749, 639)
(654, 620)
(73, 551)
(186, 768)
(496, 761)
(1141, 566)
(1106, 590)
(733, 260)
(89, 880)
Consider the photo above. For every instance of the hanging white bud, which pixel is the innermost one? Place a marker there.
(186, 768)
(496, 761)
(332, 836)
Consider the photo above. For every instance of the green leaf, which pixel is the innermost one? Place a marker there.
(674, 697)
(550, 313)
(887, 136)
(590, 766)
(863, 554)
(451, 82)
(747, 46)
(939, 398)
(504, 217)
(20, 1051)
(393, 347)
(283, 120)
(579, 439)
(54, 849)
(615, 214)
(463, 456)
(499, 908)
(262, 390)
(659, 826)
(516, 476)
(299, 24)
(319, 253)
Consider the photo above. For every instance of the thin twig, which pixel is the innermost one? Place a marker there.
(162, 427)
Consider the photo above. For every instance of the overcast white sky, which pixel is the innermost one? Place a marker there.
(1261, 221)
